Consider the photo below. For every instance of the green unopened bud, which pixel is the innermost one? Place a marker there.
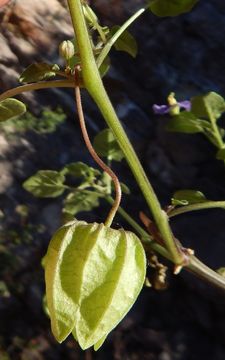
(90, 15)
(221, 271)
(66, 49)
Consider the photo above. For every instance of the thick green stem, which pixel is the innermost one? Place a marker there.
(36, 86)
(94, 85)
(204, 272)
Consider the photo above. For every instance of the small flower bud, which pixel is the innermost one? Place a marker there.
(66, 49)
(90, 15)
(174, 106)
(171, 99)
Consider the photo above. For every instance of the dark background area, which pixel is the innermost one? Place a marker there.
(185, 55)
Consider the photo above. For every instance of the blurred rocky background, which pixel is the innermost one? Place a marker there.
(185, 55)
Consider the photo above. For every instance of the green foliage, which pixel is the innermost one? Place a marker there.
(105, 66)
(4, 291)
(220, 155)
(46, 123)
(93, 21)
(90, 15)
(91, 298)
(81, 170)
(205, 111)
(126, 42)
(38, 71)
(45, 183)
(208, 105)
(185, 122)
(23, 234)
(187, 197)
(83, 200)
(73, 61)
(221, 271)
(12, 240)
(117, 36)
(93, 185)
(107, 146)
(11, 109)
(125, 189)
(171, 7)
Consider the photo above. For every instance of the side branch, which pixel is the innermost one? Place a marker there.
(36, 86)
(193, 207)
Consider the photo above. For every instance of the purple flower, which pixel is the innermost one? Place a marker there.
(173, 106)
(160, 109)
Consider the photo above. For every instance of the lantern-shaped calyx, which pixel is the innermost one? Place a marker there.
(93, 276)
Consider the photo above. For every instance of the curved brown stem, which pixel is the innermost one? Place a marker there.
(93, 153)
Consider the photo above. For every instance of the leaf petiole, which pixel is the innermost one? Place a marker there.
(198, 206)
(36, 86)
(116, 36)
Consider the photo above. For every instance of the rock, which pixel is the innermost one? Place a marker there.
(7, 54)
(6, 178)
(30, 32)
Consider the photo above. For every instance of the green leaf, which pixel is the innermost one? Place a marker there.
(78, 201)
(11, 109)
(4, 291)
(186, 122)
(210, 104)
(46, 122)
(220, 155)
(125, 189)
(73, 61)
(106, 145)
(80, 170)
(186, 197)
(126, 42)
(90, 15)
(45, 183)
(171, 7)
(93, 277)
(221, 271)
(38, 71)
(104, 67)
